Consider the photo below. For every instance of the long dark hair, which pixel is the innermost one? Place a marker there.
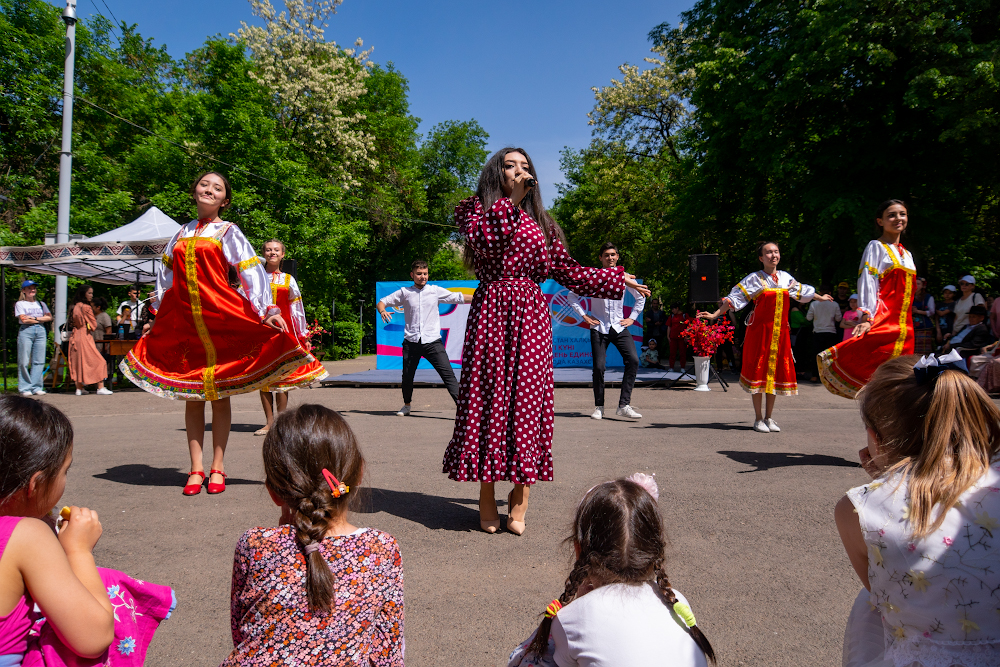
(619, 533)
(34, 437)
(298, 447)
(80, 295)
(490, 189)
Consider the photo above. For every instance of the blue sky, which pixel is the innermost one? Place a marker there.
(523, 70)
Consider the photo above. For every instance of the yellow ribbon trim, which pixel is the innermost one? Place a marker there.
(247, 263)
(291, 301)
(772, 361)
(191, 273)
(167, 261)
(907, 302)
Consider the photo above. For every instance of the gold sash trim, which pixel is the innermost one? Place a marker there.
(247, 263)
(772, 360)
(897, 349)
(191, 274)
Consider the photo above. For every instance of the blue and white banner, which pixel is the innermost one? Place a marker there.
(570, 333)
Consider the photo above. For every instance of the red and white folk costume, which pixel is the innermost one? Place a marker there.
(209, 341)
(286, 295)
(768, 365)
(886, 285)
(503, 428)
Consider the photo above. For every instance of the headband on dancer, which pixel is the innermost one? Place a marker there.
(337, 488)
(930, 367)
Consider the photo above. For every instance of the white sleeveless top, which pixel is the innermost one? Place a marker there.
(939, 597)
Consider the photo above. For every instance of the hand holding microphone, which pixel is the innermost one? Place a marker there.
(523, 183)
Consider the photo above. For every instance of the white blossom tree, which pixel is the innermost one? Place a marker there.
(311, 81)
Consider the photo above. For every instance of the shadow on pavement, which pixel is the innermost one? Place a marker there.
(140, 474)
(715, 426)
(768, 460)
(383, 413)
(235, 428)
(431, 512)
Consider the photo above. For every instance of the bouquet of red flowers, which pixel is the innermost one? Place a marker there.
(705, 338)
(316, 329)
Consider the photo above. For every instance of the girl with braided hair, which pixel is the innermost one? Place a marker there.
(315, 590)
(618, 607)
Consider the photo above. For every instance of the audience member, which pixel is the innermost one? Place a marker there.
(53, 570)
(650, 356)
(102, 328)
(851, 318)
(946, 313)
(974, 337)
(923, 322)
(988, 375)
(842, 298)
(315, 576)
(995, 317)
(922, 537)
(824, 315)
(677, 322)
(129, 317)
(968, 298)
(86, 365)
(617, 607)
(32, 339)
(656, 323)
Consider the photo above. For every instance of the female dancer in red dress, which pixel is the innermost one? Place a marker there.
(768, 367)
(286, 296)
(209, 342)
(503, 428)
(886, 285)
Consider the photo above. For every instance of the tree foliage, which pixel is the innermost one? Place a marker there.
(331, 163)
(803, 117)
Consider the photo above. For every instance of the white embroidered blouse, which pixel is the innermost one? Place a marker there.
(238, 252)
(750, 287)
(878, 259)
(298, 323)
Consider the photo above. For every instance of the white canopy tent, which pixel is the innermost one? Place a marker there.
(127, 255)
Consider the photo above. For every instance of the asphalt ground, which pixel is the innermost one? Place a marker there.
(750, 516)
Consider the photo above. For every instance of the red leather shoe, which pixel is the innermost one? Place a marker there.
(194, 489)
(217, 488)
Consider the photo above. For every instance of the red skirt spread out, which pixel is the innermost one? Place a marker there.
(306, 373)
(846, 367)
(768, 366)
(208, 342)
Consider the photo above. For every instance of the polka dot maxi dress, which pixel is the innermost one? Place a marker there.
(503, 428)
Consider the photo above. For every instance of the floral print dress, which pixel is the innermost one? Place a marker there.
(271, 621)
(938, 597)
(503, 427)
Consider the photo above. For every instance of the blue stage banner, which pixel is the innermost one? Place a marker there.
(570, 333)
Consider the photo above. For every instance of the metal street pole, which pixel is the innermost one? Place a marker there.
(65, 158)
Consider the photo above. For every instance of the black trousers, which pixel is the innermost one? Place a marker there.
(821, 341)
(433, 352)
(598, 349)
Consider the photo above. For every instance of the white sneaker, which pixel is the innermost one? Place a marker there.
(104, 391)
(761, 426)
(627, 411)
(771, 426)
(82, 392)
(26, 394)
(403, 411)
(39, 392)
(598, 412)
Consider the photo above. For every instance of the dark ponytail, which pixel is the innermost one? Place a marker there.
(301, 444)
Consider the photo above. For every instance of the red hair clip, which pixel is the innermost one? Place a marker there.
(337, 488)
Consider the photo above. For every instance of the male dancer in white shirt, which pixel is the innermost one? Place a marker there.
(608, 325)
(422, 335)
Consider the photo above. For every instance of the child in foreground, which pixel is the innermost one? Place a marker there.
(56, 606)
(315, 590)
(924, 536)
(618, 607)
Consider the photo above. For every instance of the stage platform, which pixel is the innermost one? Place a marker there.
(564, 377)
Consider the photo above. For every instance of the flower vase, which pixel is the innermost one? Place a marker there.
(701, 366)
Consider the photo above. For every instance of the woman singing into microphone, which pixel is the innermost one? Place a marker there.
(503, 428)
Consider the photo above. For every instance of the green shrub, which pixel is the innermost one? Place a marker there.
(347, 340)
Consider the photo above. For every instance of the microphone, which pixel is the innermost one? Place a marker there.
(531, 182)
